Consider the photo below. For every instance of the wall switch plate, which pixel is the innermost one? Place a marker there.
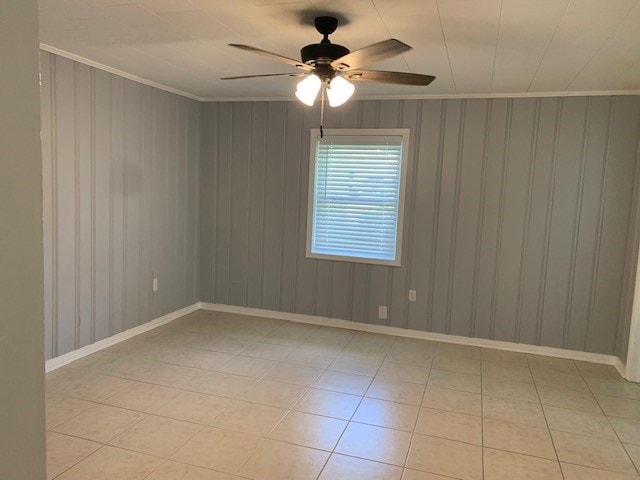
(155, 284)
(382, 312)
(412, 295)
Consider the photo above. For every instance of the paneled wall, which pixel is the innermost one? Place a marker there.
(518, 217)
(120, 167)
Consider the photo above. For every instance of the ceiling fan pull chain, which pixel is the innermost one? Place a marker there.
(322, 114)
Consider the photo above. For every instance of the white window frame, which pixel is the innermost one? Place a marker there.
(369, 132)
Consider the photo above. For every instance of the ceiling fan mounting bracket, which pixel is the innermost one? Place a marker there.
(326, 25)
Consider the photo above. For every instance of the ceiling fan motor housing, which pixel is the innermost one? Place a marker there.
(322, 52)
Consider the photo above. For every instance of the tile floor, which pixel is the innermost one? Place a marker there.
(216, 396)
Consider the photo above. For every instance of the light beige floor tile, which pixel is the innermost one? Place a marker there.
(581, 423)
(452, 363)
(592, 452)
(358, 364)
(455, 350)
(525, 413)
(292, 373)
(571, 399)
(417, 475)
(290, 334)
(249, 418)
(331, 337)
(521, 391)
(407, 351)
(504, 356)
(341, 467)
(394, 391)
(143, 397)
(344, 382)
(217, 449)
(96, 361)
(213, 343)
(282, 461)
(196, 407)
(133, 367)
(588, 369)
(634, 453)
(374, 443)
(110, 463)
(96, 387)
(275, 394)
(224, 384)
(577, 472)
(403, 373)
(309, 430)
(59, 378)
(614, 387)
(248, 366)
(559, 379)
(187, 357)
(454, 426)
(452, 401)
(177, 376)
(61, 409)
(100, 423)
(627, 430)
(455, 381)
(619, 407)
(330, 404)
(387, 414)
(541, 362)
(267, 351)
(445, 457)
(312, 357)
(500, 465)
(179, 471)
(159, 436)
(517, 438)
(505, 371)
(365, 343)
(63, 452)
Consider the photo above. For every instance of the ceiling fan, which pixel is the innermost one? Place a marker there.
(332, 66)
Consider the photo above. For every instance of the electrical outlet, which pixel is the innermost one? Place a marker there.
(382, 312)
(155, 284)
(412, 295)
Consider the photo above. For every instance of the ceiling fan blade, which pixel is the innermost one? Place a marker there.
(371, 54)
(379, 76)
(264, 75)
(273, 56)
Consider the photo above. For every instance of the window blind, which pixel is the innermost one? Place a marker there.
(356, 196)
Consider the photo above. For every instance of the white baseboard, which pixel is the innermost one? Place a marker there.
(63, 360)
(67, 358)
(621, 367)
(437, 337)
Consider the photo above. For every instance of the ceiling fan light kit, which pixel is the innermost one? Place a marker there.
(326, 66)
(339, 91)
(307, 89)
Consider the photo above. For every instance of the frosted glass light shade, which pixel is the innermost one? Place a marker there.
(339, 91)
(308, 89)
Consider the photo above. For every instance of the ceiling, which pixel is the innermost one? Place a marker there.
(474, 47)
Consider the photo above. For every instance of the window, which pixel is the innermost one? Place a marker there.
(356, 195)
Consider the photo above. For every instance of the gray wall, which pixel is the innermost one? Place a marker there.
(22, 440)
(120, 166)
(517, 217)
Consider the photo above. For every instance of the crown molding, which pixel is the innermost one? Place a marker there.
(115, 71)
(444, 96)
